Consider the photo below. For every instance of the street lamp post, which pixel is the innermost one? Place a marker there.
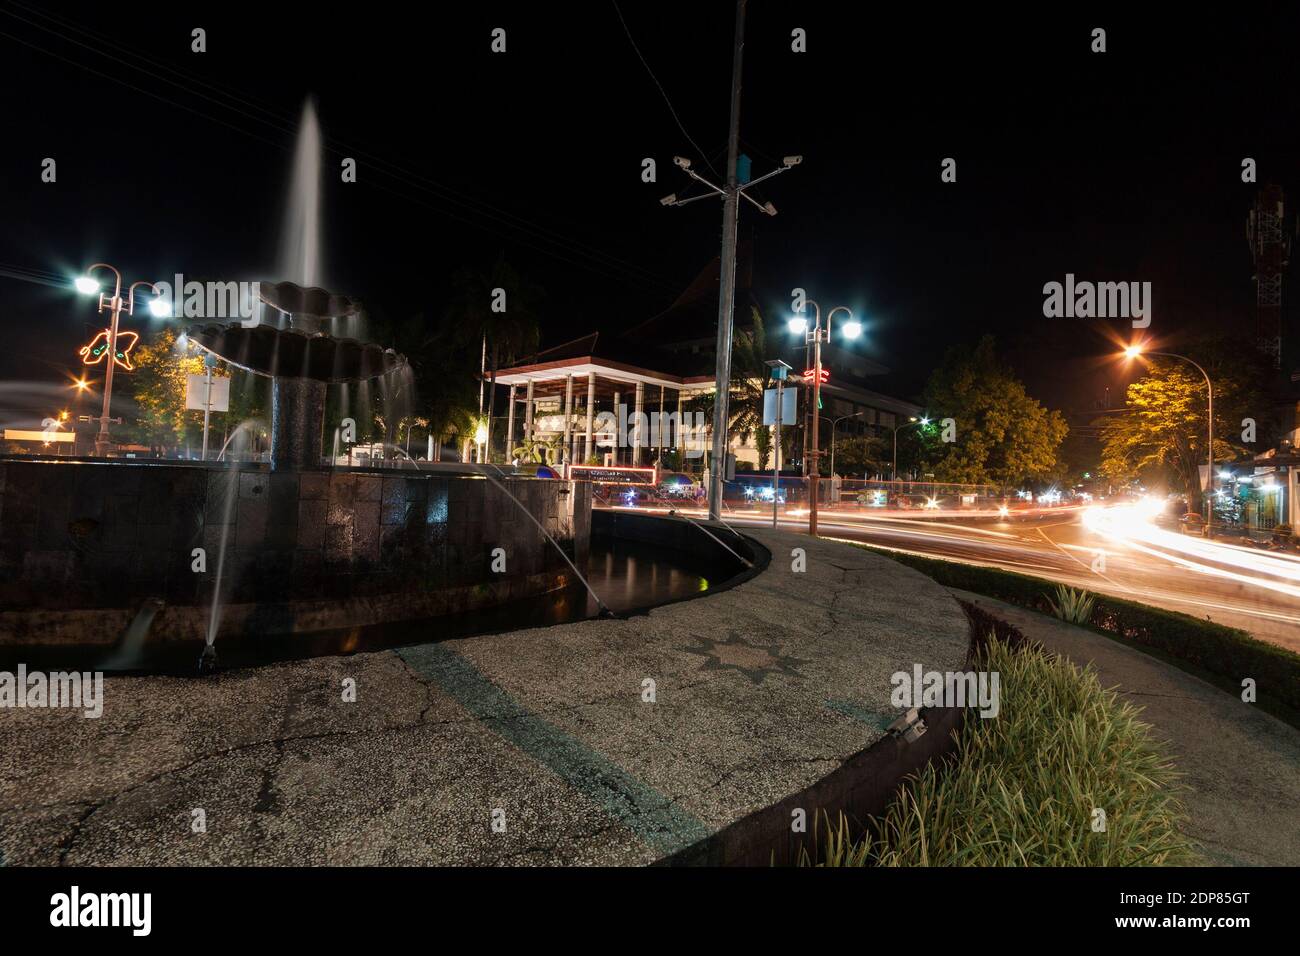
(816, 335)
(893, 470)
(1132, 352)
(88, 286)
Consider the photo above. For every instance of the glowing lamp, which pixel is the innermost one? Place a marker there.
(86, 285)
(852, 330)
(480, 434)
(798, 324)
(1133, 351)
(160, 307)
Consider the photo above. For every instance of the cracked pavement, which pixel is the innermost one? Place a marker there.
(545, 727)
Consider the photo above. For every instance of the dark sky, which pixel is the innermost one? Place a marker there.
(1115, 166)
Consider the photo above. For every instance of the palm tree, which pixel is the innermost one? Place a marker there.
(442, 369)
(506, 335)
(749, 373)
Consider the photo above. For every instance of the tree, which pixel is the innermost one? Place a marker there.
(1161, 434)
(1003, 435)
(859, 454)
(158, 385)
(749, 373)
(508, 334)
(763, 445)
(443, 375)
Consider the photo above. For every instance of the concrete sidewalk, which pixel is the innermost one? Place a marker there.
(598, 742)
(1241, 765)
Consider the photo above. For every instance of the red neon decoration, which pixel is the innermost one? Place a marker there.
(810, 373)
(94, 353)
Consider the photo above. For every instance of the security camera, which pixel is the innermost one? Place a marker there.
(682, 161)
(668, 200)
(792, 160)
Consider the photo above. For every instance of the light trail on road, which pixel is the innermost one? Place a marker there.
(1228, 583)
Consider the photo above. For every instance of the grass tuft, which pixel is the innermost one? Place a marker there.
(1071, 605)
(1021, 788)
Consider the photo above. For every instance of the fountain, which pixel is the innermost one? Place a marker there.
(120, 562)
(301, 358)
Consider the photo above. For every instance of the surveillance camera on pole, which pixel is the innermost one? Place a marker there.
(731, 192)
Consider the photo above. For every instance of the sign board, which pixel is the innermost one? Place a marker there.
(196, 387)
(612, 475)
(19, 434)
(789, 406)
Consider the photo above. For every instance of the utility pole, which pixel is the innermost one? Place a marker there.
(731, 192)
(727, 281)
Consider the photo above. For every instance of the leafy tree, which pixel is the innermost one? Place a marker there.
(158, 387)
(1161, 434)
(857, 455)
(1003, 435)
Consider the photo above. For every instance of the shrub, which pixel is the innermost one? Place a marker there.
(1023, 788)
(1071, 605)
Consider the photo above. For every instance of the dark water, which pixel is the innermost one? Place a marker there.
(627, 576)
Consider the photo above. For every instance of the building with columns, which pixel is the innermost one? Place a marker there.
(575, 396)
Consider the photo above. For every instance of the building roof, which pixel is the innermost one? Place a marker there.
(693, 316)
(675, 349)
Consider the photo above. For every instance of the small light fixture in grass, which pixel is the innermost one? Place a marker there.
(1071, 605)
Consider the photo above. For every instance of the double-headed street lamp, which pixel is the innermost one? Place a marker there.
(87, 285)
(922, 422)
(815, 336)
(1134, 351)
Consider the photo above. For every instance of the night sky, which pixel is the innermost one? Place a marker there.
(1123, 166)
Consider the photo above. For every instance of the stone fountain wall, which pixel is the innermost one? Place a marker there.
(83, 545)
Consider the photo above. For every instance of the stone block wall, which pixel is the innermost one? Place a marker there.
(83, 534)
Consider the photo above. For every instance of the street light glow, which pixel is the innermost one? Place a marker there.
(798, 324)
(86, 285)
(852, 330)
(1133, 351)
(160, 307)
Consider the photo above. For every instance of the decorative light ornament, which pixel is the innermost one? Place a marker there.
(94, 352)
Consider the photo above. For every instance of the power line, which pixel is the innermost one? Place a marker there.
(662, 92)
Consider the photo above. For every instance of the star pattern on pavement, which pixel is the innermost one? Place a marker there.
(753, 660)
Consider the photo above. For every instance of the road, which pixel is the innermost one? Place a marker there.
(1121, 550)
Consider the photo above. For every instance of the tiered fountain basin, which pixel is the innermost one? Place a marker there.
(85, 545)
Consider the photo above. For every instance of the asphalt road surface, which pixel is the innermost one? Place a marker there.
(1117, 550)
